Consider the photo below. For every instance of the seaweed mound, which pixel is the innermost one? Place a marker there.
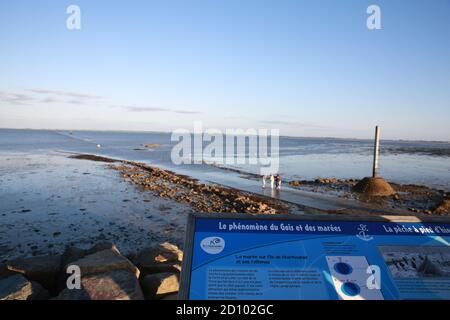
(377, 187)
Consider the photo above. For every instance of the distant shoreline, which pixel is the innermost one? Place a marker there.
(281, 136)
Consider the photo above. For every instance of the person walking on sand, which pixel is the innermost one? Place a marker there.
(272, 180)
(264, 181)
(278, 179)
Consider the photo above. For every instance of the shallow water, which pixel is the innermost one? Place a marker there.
(300, 158)
(48, 200)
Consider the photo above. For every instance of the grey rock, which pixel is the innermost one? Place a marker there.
(39, 292)
(101, 246)
(15, 287)
(4, 271)
(164, 257)
(104, 261)
(43, 269)
(159, 285)
(72, 254)
(113, 285)
(173, 296)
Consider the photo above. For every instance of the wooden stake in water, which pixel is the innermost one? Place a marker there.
(376, 152)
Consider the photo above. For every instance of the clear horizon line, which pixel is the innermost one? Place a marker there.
(169, 132)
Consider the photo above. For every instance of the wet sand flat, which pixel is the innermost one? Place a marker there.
(48, 201)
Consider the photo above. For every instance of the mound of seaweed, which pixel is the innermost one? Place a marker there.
(377, 187)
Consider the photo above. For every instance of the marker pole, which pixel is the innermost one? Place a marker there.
(376, 152)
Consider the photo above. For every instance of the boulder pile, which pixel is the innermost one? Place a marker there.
(105, 274)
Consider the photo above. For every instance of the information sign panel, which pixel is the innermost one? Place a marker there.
(315, 257)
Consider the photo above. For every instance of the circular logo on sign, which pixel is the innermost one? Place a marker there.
(213, 245)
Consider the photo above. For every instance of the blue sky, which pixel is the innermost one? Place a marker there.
(309, 68)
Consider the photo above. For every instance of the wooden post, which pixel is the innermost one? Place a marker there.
(376, 152)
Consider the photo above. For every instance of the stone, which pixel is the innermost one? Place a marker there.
(113, 285)
(173, 296)
(164, 257)
(158, 285)
(101, 246)
(4, 271)
(39, 292)
(104, 261)
(174, 249)
(42, 269)
(72, 254)
(17, 287)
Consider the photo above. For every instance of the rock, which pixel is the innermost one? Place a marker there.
(4, 271)
(165, 257)
(173, 296)
(106, 245)
(39, 292)
(104, 261)
(158, 285)
(17, 287)
(72, 254)
(113, 285)
(173, 248)
(43, 269)
(444, 207)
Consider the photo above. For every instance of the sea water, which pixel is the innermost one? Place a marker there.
(408, 162)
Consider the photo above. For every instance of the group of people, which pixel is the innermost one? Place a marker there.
(274, 180)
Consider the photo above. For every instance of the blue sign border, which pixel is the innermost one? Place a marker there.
(311, 226)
